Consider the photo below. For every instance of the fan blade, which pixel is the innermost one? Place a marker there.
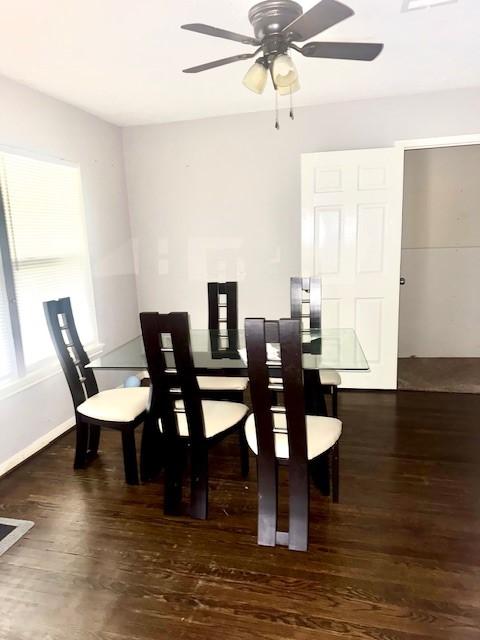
(219, 33)
(219, 63)
(342, 50)
(319, 18)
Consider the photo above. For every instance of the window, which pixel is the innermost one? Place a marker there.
(43, 255)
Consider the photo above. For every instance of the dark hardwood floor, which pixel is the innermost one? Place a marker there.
(397, 559)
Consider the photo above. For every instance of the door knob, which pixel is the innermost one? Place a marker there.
(402, 281)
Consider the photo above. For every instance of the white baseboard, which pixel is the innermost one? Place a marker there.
(36, 446)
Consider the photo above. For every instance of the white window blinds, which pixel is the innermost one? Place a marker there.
(48, 252)
(7, 358)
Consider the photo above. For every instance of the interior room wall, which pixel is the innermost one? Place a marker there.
(219, 198)
(439, 304)
(34, 122)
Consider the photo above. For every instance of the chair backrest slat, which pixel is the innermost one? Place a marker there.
(294, 398)
(168, 350)
(306, 291)
(260, 393)
(73, 357)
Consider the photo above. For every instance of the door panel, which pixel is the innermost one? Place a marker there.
(351, 237)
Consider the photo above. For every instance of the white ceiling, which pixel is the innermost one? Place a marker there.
(122, 59)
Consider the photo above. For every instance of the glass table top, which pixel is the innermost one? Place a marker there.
(322, 349)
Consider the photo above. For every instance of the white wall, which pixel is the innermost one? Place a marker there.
(220, 198)
(440, 305)
(32, 121)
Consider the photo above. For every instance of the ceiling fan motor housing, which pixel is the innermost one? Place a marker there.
(269, 18)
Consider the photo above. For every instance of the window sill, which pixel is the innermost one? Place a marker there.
(12, 387)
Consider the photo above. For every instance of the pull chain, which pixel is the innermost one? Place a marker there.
(291, 105)
(277, 123)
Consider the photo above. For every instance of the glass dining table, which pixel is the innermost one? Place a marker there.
(222, 353)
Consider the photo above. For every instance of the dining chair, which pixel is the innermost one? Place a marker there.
(307, 292)
(120, 409)
(178, 411)
(223, 325)
(284, 435)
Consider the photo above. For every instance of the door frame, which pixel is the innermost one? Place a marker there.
(445, 141)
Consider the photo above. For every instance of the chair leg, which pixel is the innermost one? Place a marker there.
(315, 403)
(199, 481)
(320, 472)
(298, 507)
(151, 450)
(335, 401)
(145, 452)
(174, 464)
(244, 452)
(335, 473)
(94, 439)
(267, 487)
(80, 461)
(130, 456)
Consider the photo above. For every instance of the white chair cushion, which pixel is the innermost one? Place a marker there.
(116, 405)
(218, 416)
(214, 383)
(328, 377)
(322, 433)
(222, 383)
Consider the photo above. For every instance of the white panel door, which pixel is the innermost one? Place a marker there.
(351, 237)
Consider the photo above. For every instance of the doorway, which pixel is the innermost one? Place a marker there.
(439, 322)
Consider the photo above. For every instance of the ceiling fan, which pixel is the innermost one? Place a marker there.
(278, 25)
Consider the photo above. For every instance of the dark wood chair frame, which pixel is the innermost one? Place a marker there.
(215, 320)
(287, 333)
(223, 328)
(173, 377)
(82, 384)
(305, 291)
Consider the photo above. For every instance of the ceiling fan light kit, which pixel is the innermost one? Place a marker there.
(283, 71)
(256, 77)
(278, 25)
(286, 91)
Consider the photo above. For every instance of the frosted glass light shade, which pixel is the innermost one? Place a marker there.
(286, 91)
(284, 71)
(256, 78)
